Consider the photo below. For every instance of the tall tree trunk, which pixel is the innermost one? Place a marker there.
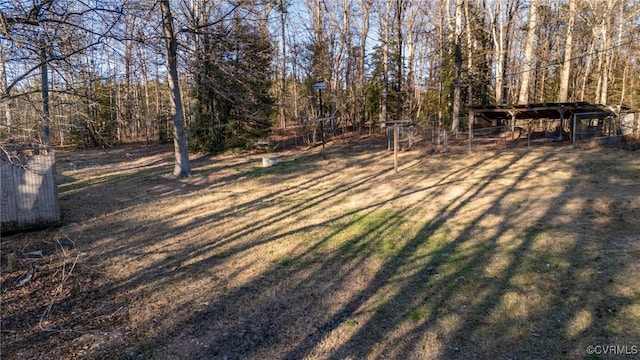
(457, 35)
(507, 85)
(147, 106)
(563, 94)
(294, 71)
(587, 70)
(497, 33)
(385, 62)
(624, 82)
(283, 77)
(411, 98)
(399, 22)
(606, 35)
(182, 167)
(604, 89)
(599, 72)
(162, 121)
(365, 8)
(322, 53)
(4, 95)
(44, 75)
(130, 125)
(342, 61)
(527, 66)
(442, 20)
(60, 127)
(471, 43)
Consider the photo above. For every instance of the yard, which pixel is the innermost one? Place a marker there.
(518, 254)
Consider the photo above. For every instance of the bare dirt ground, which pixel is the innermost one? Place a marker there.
(518, 254)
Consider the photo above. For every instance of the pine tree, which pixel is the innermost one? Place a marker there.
(234, 106)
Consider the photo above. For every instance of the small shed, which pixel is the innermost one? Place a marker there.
(29, 189)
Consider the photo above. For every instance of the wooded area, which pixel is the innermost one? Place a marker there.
(99, 73)
(458, 254)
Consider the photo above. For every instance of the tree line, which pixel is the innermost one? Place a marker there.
(97, 73)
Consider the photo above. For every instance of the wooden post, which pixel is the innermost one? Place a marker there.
(324, 155)
(561, 127)
(575, 128)
(395, 147)
(513, 126)
(396, 138)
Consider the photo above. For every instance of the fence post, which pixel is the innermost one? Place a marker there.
(575, 129)
(395, 147)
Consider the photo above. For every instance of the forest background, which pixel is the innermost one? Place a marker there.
(94, 73)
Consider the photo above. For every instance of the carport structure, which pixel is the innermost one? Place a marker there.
(551, 121)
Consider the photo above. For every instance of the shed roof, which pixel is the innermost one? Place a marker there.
(541, 110)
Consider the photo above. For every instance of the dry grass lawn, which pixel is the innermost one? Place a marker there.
(523, 254)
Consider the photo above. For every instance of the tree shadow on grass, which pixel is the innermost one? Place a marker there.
(513, 282)
(544, 297)
(242, 338)
(396, 309)
(482, 260)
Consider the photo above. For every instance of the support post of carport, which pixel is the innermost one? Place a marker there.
(573, 131)
(561, 111)
(513, 126)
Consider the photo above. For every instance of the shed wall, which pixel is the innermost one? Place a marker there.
(29, 192)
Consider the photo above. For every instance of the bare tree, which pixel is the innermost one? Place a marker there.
(48, 35)
(103, 88)
(182, 167)
(282, 8)
(365, 10)
(628, 15)
(3, 86)
(457, 49)
(563, 93)
(386, 26)
(497, 34)
(527, 65)
(604, 61)
(501, 18)
(44, 85)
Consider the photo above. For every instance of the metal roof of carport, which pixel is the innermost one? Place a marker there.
(540, 111)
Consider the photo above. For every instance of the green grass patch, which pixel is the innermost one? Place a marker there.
(351, 323)
(593, 357)
(379, 232)
(287, 261)
(387, 246)
(417, 315)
